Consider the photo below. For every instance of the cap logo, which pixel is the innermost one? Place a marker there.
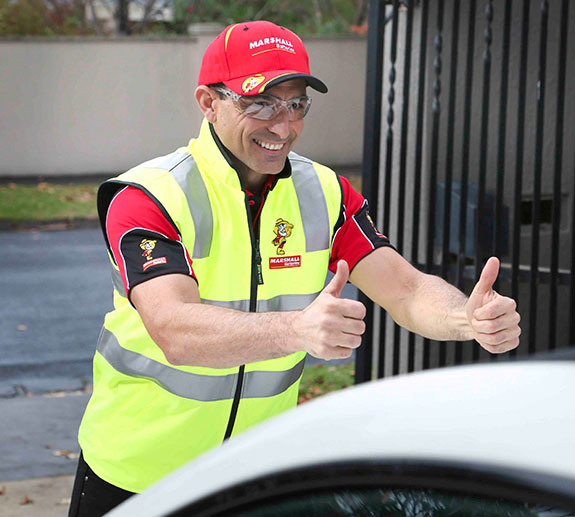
(252, 82)
(280, 44)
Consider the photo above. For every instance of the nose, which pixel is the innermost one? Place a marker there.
(280, 124)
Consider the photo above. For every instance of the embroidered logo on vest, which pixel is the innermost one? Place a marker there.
(282, 230)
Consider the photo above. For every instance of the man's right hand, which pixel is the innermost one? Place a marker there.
(331, 327)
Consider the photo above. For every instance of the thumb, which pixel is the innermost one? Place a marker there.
(487, 278)
(339, 280)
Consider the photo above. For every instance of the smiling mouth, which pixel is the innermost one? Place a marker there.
(269, 146)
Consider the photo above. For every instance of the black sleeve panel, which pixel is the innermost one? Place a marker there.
(368, 228)
(147, 254)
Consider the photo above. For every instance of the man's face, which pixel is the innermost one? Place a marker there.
(259, 146)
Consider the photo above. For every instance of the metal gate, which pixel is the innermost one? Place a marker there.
(469, 151)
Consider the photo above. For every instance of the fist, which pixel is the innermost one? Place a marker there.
(331, 327)
(493, 318)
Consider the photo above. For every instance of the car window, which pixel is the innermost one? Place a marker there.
(395, 502)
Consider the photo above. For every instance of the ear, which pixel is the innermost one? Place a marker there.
(205, 98)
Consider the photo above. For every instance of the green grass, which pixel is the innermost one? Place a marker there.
(321, 379)
(47, 202)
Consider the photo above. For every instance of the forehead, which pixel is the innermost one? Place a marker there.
(287, 89)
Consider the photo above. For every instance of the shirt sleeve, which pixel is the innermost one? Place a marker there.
(143, 242)
(356, 235)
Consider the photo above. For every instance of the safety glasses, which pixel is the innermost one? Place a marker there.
(266, 107)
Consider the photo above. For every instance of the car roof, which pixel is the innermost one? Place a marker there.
(513, 415)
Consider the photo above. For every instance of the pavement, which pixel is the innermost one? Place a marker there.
(58, 287)
(39, 453)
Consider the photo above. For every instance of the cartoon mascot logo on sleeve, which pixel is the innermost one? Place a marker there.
(282, 230)
(148, 246)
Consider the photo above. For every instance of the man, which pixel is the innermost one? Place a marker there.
(221, 251)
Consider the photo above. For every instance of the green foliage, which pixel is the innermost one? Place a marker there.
(304, 17)
(24, 17)
(42, 18)
(67, 17)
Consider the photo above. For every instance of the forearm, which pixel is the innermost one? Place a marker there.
(435, 310)
(421, 303)
(204, 335)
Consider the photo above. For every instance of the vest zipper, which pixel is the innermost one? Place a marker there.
(256, 279)
(259, 263)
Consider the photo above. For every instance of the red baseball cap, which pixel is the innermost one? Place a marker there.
(250, 57)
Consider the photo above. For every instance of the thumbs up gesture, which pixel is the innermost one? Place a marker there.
(331, 327)
(493, 318)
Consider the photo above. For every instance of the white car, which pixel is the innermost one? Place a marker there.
(491, 439)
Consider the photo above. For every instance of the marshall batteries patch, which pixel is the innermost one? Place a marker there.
(148, 246)
(284, 262)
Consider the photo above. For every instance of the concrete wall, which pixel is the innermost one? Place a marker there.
(91, 106)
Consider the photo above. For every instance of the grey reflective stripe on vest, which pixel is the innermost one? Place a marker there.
(312, 205)
(117, 281)
(184, 170)
(284, 302)
(165, 163)
(190, 180)
(204, 388)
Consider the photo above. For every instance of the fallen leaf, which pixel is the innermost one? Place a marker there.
(26, 500)
(55, 394)
(85, 197)
(67, 454)
(12, 186)
(2, 490)
(43, 186)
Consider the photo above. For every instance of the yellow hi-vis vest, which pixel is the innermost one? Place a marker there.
(147, 417)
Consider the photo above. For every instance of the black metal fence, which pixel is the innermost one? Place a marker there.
(469, 151)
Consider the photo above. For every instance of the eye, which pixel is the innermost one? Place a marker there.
(297, 104)
(262, 103)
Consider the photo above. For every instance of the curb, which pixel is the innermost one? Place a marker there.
(53, 225)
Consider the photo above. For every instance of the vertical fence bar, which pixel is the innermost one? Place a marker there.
(371, 157)
(438, 43)
(483, 144)
(418, 159)
(388, 173)
(559, 120)
(572, 281)
(461, 258)
(536, 217)
(520, 138)
(403, 166)
(449, 161)
(501, 148)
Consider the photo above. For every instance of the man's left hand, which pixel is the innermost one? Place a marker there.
(493, 318)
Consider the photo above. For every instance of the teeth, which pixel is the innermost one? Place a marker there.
(266, 145)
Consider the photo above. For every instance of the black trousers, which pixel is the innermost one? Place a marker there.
(91, 495)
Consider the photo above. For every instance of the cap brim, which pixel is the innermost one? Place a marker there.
(272, 79)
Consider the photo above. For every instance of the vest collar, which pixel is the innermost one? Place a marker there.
(217, 157)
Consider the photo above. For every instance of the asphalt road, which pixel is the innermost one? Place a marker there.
(56, 289)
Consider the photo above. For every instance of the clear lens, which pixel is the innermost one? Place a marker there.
(265, 107)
